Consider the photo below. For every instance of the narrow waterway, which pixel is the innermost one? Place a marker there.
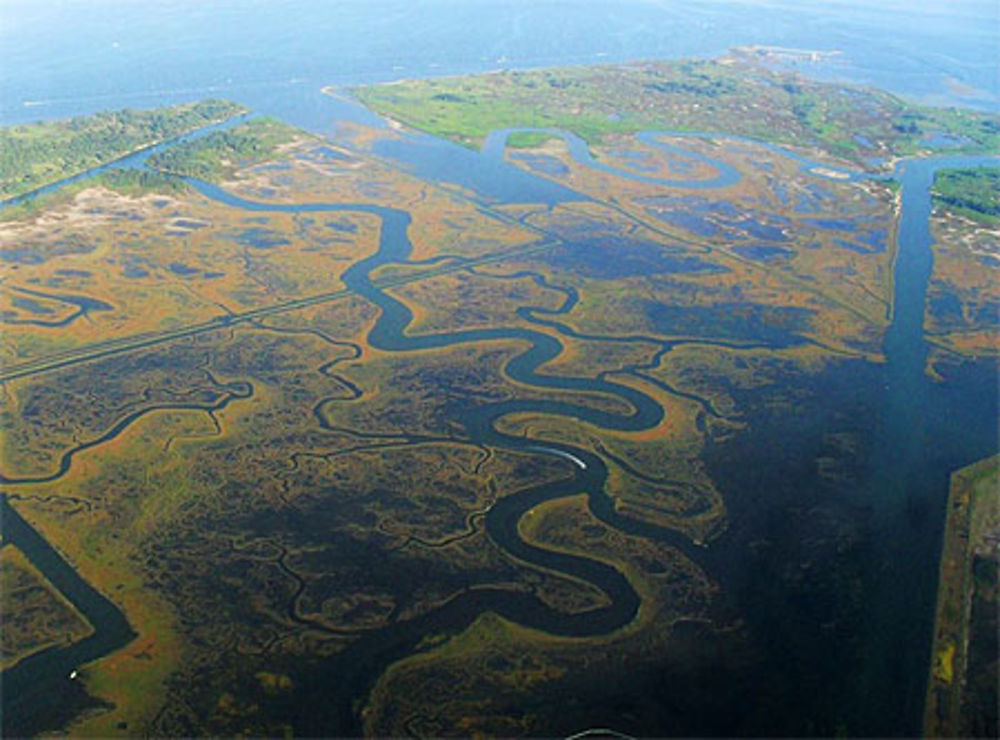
(37, 685)
(908, 487)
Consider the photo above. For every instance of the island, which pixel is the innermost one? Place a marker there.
(735, 94)
(220, 154)
(35, 155)
(973, 193)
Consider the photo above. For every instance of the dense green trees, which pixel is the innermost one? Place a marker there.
(215, 156)
(37, 154)
(975, 192)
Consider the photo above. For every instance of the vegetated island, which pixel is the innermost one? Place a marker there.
(35, 155)
(733, 94)
(962, 686)
(973, 193)
(220, 154)
(216, 157)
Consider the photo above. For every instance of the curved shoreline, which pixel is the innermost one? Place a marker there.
(495, 147)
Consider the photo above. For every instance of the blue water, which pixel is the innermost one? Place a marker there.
(725, 174)
(74, 56)
(915, 422)
(491, 177)
(84, 306)
(763, 252)
(262, 238)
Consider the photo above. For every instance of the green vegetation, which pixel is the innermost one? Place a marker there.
(733, 95)
(126, 182)
(528, 139)
(973, 192)
(219, 154)
(485, 103)
(962, 685)
(35, 155)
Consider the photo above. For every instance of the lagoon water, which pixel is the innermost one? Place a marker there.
(76, 56)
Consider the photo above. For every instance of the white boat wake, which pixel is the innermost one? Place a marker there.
(561, 453)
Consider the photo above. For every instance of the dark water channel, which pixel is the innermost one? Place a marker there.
(38, 692)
